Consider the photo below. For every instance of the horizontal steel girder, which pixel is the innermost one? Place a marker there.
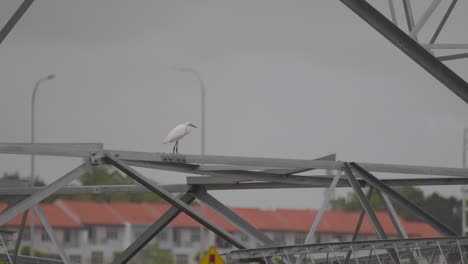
(193, 162)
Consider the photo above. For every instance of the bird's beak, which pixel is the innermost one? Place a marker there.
(193, 126)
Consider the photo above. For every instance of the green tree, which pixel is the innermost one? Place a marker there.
(152, 254)
(446, 210)
(25, 250)
(12, 179)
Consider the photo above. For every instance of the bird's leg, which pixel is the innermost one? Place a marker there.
(173, 148)
(177, 146)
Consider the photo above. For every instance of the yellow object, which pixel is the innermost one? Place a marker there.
(212, 257)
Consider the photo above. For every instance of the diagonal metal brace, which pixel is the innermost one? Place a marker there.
(152, 231)
(15, 18)
(234, 218)
(369, 211)
(379, 185)
(176, 202)
(43, 193)
(409, 46)
(51, 233)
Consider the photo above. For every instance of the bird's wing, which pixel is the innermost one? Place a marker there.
(176, 133)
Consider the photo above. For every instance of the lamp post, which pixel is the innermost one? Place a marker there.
(202, 93)
(33, 100)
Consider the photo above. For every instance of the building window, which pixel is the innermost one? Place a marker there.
(111, 233)
(45, 236)
(91, 234)
(67, 235)
(97, 257)
(194, 235)
(279, 237)
(26, 235)
(299, 238)
(75, 259)
(177, 237)
(181, 259)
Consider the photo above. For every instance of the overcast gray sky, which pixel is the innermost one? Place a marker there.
(290, 79)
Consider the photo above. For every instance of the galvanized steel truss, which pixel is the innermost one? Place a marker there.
(223, 173)
(235, 173)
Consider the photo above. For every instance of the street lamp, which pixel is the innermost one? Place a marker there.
(33, 100)
(202, 93)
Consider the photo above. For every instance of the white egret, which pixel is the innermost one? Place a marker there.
(177, 133)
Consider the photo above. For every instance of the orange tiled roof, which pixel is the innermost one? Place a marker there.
(288, 220)
(55, 216)
(92, 213)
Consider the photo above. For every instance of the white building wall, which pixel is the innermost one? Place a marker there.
(186, 244)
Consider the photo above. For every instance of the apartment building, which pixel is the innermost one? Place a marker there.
(96, 233)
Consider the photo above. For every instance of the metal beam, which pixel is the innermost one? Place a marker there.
(387, 244)
(432, 7)
(392, 214)
(186, 163)
(168, 159)
(14, 19)
(143, 160)
(232, 217)
(240, 175)
(116, 162)
(445, 46)
(215, 185)
(34, 199)
(82, 150)
(379, 185)
(391, 6)
(93, 189)
(20, 236)
(152, 231)
(321, 182)
(409, 14)
(52, 236)
(6, 249)
(359, 223)
(369, 211)
(320, 213)
(443, 21)
(410, 47)
(265, 169)
(453, 56)
(365, 203)
(324, 206)
(299, 170)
